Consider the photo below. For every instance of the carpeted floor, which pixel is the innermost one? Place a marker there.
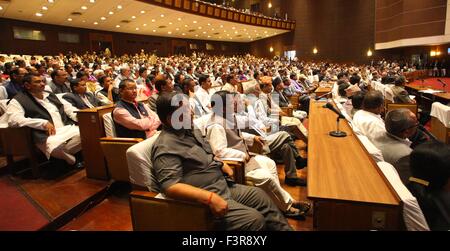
(17, 212)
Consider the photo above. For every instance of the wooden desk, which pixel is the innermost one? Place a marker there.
(322, 90)
(348, 189)
(90, 122)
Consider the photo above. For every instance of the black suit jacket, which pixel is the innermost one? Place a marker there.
(77, 102)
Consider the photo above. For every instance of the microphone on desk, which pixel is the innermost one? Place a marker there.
(338, 133)
(331, 107)
(442, 82)
(324, 95)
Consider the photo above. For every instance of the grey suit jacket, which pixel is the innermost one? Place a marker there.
(77, 102)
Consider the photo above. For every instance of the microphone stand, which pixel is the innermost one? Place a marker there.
(338, 133)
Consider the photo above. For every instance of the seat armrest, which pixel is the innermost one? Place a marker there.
(121, 140)
(151, 214)
(238, 170)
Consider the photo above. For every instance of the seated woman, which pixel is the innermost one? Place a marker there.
(430, 182)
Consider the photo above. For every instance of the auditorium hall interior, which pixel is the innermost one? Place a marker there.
(224, 115)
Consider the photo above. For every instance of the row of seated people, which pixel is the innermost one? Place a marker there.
(54, 132)
(398, 140)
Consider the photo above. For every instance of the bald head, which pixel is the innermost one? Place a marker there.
(401, 122)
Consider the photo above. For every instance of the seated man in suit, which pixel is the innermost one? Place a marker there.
(430, 182)
(79, 97)
(186, 169)
(59, 83)
(401, 96)
(227, 141)
(52, 120)
(133, 119)
(394, 144)
(283, 101)
(163, 84)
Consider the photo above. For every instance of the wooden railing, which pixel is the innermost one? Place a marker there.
(223, 13)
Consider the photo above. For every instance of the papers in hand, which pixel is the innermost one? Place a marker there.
(260, 132)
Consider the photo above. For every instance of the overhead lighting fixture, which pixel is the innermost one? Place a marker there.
(169, 32)
(233, 28)
(95, 23)
(119, 7)
(110, 13)
(1, 8)
(154, 30)
(221, 26)
(137, 28)
(170, 23)
(196, 35)
(92, 1)
(269, 5)
(69, 19)
(179, 19)
(186, 25)
(103, 18)
(199, 27)
(162, 15)
(43, 7)
(84, 21)
(209, 36)
(83, 7)
(144, 25)
(142, 11)
(209, 24)
(212, 29)
(194, 22)
(183, 34)
(38, 14)
(117, 26)
(315, 51)
(153, 20)
(177, 29)
(133, 17)
(204, 32)
(369, 53)
(51, 1)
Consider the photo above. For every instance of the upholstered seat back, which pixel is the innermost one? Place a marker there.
(108, 123)
(140, 163)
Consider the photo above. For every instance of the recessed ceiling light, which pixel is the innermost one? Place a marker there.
(144, 25)
(43, 8)
(119, 7)
(133, 17)
(137, 28)
(221, 26)
(84, 21)
(245, 29)
(69, 19)
(153, 20)
(235, 32)
(212, 29)
(186, 25)
(199, 27)
(142, 11)
(1, 8)
(169, 32)
(179, 19)
(162, 15)
(170, 23)
(154, 30)
(95, 23)
(233, 28)
(194, 22)
(196, 35)
(51, 1)
(92, 1)
(265, 32)
(177, 29)
(184, 34)
(204, 32)
(103, 18)
(38, 14)
(209, 24)
(83, 7)
(117, 26)
(110, 13)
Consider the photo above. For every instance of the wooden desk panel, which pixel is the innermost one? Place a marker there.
(340, 172)
(322, 90)
(90, 122)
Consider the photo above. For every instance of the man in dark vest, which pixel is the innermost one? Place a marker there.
(52, 120)
(133, 119)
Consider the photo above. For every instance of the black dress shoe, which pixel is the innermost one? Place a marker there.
(300, 162)
(78, 165)
(294, 213)
(303, 206)
(295, 182)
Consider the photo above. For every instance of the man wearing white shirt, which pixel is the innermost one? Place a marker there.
(203, 95)
(52, 120)
(368, 120)
(125, 73)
